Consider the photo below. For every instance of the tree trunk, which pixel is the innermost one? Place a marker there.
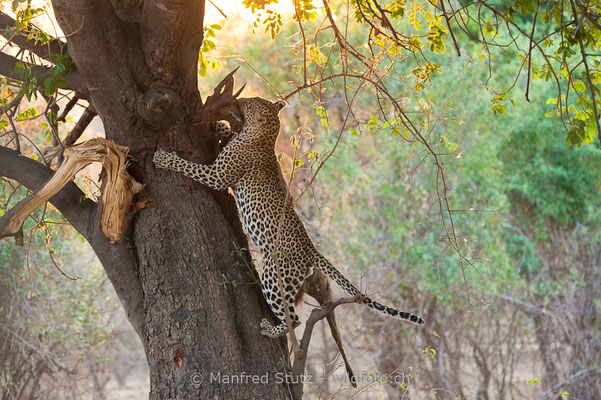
(139, 64)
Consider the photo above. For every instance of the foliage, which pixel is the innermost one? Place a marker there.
(548, 180)
(208, 44)
(556, 41)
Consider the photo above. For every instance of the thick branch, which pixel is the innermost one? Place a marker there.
(73, 79)
(81, 125)
(70, 200)
(46, 51)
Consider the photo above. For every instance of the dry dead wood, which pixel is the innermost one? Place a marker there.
(118, 188)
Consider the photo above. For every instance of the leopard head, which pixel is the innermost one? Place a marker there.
(261, 116)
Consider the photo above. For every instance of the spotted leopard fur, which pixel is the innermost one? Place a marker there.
(249, 166)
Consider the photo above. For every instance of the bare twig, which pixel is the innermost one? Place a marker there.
(582, 374)
(79, 128)
(14, 130)
(68, 107)
(448, 21)
(300, 25)
(530, 53)
(218, 9)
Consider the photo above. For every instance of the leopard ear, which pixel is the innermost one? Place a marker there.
(281, 104)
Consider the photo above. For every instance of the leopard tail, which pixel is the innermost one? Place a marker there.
(327, 268)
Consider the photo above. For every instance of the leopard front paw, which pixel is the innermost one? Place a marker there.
(163, 159)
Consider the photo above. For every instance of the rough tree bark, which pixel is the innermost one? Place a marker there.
(137, 66)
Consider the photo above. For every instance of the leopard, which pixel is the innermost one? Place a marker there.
(248, 164)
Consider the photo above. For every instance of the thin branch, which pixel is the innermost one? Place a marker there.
(318, 286)
(448, 21)
(47, 51)
(68, 107)
(45, 355)
(10, 115)
(541, 51)
(300, 25)
(588, 78)
(81, 125)
(218, 9)
(582, 374)
(530, 53)
(342, 43)
(591, 16)
(52, 106)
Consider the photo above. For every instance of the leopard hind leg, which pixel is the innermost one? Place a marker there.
(275, 300)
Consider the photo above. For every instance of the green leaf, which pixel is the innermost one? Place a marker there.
(27, 114)
(579, 86)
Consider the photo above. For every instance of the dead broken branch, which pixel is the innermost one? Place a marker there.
(117, 191)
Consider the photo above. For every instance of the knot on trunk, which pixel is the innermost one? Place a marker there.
(156, 104)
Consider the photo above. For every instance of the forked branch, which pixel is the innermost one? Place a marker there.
(300, 357)
(318, 286)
